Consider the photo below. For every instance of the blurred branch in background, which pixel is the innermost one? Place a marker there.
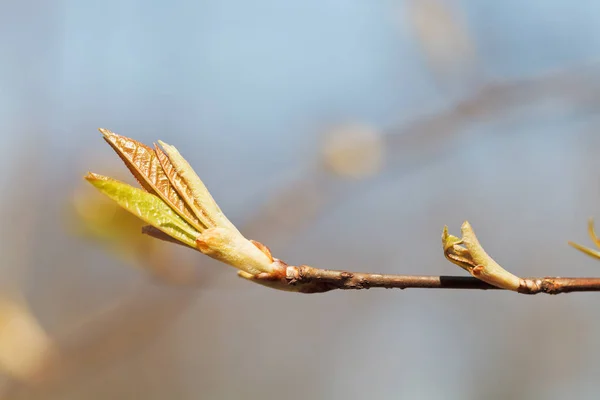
(441, 31)
(353, 154)
(403, 149)
(407, 146)
(101, 340)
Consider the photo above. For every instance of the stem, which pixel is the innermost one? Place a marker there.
(307, 279)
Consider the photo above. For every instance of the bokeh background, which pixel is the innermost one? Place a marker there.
(341, 133)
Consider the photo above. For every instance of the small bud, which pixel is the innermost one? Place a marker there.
(467, 253)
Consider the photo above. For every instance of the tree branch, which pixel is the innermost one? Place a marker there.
(306, 279)
(179, 209)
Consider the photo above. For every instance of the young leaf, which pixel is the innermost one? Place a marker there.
(174, 193)
(473, 258)
(146, 206)
(595, 239)
(182, 188)
(189, 186)
(592, 232)
(586, 250)
(143, 163)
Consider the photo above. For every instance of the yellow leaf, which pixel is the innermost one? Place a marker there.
(588, 251)
(184, 179)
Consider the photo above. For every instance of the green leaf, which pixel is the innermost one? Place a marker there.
(146, 206)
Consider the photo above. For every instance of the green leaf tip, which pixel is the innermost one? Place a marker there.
(146, 206)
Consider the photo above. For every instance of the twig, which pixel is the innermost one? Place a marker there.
(466, 252)
(306, 279)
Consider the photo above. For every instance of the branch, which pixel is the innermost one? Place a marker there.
(305, 279)
(466, 252)
(178, 208)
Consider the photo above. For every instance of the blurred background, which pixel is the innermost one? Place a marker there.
(343, 134)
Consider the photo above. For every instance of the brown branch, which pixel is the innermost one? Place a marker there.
(466, 252)
(307, 279)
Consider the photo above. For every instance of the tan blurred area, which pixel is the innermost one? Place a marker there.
(342, 136)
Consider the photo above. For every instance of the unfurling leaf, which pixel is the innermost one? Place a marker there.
(147, 206)
(177, 204)
(145, 166)
(189, 185)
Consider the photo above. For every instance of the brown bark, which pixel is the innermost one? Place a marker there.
(307, 279)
